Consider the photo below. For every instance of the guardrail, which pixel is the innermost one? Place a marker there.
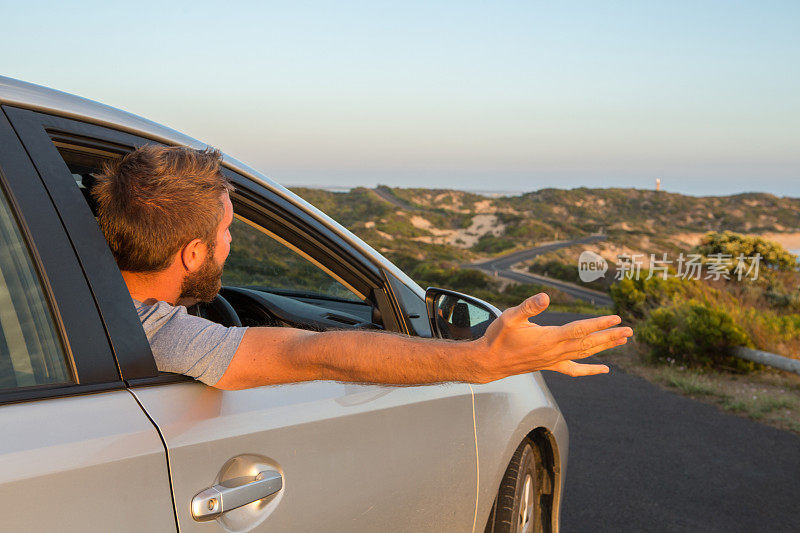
(769, 359)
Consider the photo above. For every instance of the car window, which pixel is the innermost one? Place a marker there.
(259, 258)
(83, 166)
(30, 351)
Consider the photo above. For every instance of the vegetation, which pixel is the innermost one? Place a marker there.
(480, 285)
(644, 220)
(694, 334)
(257, 259)
(580, 211)
(734, 245)
(490, 244)
(685, 328)
(430, 234)
(557, 269)
(697, 322)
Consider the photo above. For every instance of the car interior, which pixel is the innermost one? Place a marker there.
(267, 281)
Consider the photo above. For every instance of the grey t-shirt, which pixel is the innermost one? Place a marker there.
(187, 344)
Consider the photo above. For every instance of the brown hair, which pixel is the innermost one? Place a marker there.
(157, 199)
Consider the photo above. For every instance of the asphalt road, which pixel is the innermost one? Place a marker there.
(645, 459)
(501, 266)
(593, 297)
(507, 261)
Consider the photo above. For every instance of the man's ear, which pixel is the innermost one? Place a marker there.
(193, 254)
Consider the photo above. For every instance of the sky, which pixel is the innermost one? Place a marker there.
(486, 96)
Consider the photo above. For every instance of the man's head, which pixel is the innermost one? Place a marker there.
(159, 206)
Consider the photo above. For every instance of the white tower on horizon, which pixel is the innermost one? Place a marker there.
(658, 184)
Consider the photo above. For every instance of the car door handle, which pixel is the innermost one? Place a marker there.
(233, 493)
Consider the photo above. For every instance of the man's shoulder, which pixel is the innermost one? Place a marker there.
(153, 312)
(187, 344)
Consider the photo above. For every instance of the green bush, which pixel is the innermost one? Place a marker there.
(694, 334)
(771, 331)
(458, 279)
(734, 244)
(556, 269)
(783, 300)
(524, 228)
(563, 271)
(634, 298)
(492, 244)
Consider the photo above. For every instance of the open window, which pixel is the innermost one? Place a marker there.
(270, 282)
(85, 158)
(278, 273)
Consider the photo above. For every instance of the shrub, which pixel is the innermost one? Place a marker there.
(772, 332)
(454, 278)
(634, 298)
(492, 244)
(556, 269)
(694, 334)
(559, 270)
(783, 300)
(729, 243)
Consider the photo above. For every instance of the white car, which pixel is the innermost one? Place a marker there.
(94, 438)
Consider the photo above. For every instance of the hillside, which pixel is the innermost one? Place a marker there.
(460, 226)
(431, 234)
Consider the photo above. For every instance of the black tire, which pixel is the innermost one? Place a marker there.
(515, 498)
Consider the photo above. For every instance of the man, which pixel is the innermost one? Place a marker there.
(166, 213)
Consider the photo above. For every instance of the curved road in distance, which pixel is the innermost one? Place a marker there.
(501, 266)
(387, 196)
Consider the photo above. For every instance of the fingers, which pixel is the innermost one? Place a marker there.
(596, 339)
(571, 368)
(595, 349)
(582, 328)
(530, 307)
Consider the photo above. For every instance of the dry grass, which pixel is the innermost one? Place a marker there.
(771, 397)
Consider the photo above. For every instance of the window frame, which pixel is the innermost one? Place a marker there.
(257, 204)
(72, 308)
(260, 206)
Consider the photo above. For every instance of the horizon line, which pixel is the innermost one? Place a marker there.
(512, 192)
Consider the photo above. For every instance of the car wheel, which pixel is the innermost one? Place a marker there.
(518, 506)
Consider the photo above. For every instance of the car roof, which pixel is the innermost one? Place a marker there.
(38, 98)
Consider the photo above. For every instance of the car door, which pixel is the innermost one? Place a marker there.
(345, 457)
(77, 452)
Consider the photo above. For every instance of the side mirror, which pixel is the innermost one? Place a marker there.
(457, 316)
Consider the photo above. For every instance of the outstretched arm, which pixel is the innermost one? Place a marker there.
(512, 345)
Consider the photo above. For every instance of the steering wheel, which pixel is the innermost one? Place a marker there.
(218, 310)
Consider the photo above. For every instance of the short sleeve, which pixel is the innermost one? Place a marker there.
(187, 344)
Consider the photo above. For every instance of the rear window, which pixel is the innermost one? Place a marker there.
(30, 350)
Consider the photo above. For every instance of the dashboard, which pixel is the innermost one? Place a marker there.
(264, 306)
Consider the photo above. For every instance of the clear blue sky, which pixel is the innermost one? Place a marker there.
(473, 95)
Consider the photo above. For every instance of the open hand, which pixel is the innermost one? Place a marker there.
(514, 345)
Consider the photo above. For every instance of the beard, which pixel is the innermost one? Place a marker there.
(204, 284)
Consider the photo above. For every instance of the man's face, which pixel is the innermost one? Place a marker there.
(204, 283)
